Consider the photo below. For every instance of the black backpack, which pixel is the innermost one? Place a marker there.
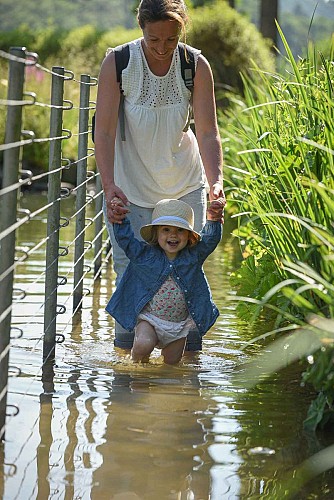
(122, 56)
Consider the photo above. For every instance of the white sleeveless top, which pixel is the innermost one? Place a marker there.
(157, 160)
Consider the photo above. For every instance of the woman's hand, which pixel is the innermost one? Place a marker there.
(217, 192)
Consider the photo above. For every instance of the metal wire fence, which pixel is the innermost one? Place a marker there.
(85, 193)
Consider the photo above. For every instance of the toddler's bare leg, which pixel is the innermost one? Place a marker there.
(173, 352)
(144, 342)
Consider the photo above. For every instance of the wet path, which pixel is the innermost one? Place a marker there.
(98, 427)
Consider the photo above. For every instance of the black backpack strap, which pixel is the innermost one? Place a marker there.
(187, 59)
(122, 56)
(188, 69)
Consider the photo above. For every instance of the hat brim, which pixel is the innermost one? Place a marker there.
(146, 231)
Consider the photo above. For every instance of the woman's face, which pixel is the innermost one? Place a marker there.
(161, 39)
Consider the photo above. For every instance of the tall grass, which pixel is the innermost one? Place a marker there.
(280, 158)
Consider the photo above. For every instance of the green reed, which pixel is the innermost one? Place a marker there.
(279, 154)
(285, 143)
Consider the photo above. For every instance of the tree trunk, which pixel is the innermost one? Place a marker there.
(268, 15)
(231, 3)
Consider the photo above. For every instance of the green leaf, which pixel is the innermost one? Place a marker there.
(296, 299)
(315, 413)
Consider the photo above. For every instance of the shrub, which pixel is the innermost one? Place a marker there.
(21, 37)
(115, 37)
(48, 42)
(229, 42)
(79, 46)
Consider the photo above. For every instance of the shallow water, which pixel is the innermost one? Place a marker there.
(95, 426)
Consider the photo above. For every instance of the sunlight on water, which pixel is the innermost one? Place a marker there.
(97, 426)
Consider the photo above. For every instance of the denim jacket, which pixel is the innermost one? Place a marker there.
(148, 269)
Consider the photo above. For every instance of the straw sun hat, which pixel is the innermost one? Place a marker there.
(171, 212)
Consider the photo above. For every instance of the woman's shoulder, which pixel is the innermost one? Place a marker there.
(191, 49)
(188, 59)
(132, 44)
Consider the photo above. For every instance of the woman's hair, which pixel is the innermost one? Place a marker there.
(192, 240)
(150, 11)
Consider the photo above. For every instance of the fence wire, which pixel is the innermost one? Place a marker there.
(68, 206)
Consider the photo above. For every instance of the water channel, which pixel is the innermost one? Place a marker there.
(96, 426)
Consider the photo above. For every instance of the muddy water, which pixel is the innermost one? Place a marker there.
(95, 426)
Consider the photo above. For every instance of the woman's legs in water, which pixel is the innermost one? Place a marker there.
(138, 217)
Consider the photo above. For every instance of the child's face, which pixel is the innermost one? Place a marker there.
(172, 239)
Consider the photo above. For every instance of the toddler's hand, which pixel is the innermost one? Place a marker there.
(116, 210)
(216, 210)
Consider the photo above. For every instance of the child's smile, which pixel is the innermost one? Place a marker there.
(172, 239)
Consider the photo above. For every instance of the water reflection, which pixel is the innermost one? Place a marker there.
(44, 446)
(154, 456)
(129, 433)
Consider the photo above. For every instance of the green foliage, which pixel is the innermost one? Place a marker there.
(255, 278)
(83, 47)
(279, 149)
(21, 37)
(82, 38)
(81, 44)
(299, 342)
(200, 3)
(287, 130)
(48, 43)
(117, 36)
(229, 41)
(320, 374)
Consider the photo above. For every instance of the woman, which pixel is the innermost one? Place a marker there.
(159, 158)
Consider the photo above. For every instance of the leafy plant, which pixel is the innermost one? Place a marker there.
(280, 157)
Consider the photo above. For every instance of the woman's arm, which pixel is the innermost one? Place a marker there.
(106, 118)
(207, 132)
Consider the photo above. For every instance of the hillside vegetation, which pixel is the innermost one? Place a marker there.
(294, 16)
(103, 14)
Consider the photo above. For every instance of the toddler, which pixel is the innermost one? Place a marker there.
(164, 292)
